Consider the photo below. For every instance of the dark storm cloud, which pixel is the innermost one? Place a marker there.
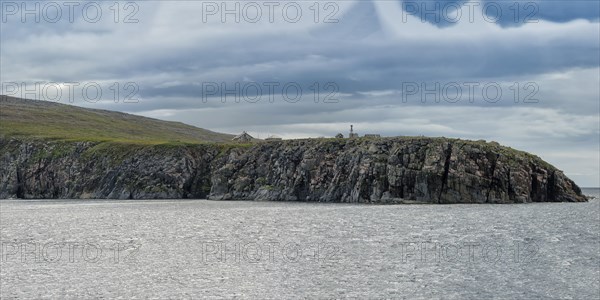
(506, 13)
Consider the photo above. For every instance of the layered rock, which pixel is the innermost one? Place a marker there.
(383, 170)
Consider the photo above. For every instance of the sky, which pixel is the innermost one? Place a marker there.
(523, 73)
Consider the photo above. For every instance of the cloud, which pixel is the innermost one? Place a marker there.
(445, 13)
(364, 61)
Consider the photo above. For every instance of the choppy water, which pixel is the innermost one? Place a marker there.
(194, 249)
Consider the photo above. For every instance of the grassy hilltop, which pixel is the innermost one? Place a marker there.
(48, 120)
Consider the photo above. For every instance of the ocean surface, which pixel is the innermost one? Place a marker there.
(266, 250)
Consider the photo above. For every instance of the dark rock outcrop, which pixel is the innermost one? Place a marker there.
(386, 170)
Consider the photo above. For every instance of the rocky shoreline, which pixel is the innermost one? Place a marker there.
(381, 170)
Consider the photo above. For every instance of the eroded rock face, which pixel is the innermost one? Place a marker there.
(389, 170)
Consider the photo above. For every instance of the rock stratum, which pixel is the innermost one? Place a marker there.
(383, 170)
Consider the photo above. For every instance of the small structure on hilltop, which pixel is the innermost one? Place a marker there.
(352, 134)
(273, 138)
(373, 136)
(244, 137)
(339, 136)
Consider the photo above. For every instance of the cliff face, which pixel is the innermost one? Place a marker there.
(389, 170)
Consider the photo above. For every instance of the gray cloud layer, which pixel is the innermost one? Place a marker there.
(371, 55)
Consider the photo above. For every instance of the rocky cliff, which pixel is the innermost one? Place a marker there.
(386, 170)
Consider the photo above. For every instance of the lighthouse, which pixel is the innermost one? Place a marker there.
(352, 134)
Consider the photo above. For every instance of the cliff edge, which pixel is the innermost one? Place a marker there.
(381, 170)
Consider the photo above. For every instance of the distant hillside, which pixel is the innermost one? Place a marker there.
(43, 119)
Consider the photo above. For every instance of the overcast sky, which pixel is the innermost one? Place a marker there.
(373, 63)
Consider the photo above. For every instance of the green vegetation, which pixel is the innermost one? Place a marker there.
(261, 181)
(48, 120)
(57, 151)
(116, 151)
(268, 187)
(514, 156)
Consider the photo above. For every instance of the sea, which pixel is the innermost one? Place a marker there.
(194, 249)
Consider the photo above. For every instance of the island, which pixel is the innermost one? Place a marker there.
(56, 151)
